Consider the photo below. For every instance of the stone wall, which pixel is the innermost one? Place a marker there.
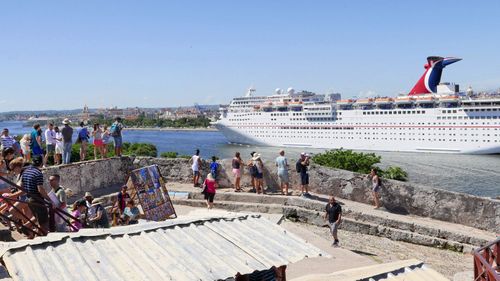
(91, 175)
(398, 197)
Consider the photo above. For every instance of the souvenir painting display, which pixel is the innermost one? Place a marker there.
(151, 191)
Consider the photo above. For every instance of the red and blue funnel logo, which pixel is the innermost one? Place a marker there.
(432, 76)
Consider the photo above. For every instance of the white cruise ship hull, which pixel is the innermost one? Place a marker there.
(433, 130)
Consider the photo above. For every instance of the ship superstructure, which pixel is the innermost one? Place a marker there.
(433, 117)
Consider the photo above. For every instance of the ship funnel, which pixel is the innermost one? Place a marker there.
(432, 76)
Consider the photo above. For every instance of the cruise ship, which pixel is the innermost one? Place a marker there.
(433, 117)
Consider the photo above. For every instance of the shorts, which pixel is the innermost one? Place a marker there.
(196, 173)
(333, 227)
(376, 188)
(51, 148)
(259, 176)
(304, 178)
(237, 173)
(59, 148)
(98, 142)
(40, 212)
(283, 177)
(118, 141)
(37, 150)
(209, 197)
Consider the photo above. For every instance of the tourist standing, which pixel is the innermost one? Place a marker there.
(105, 140)
(116, 133)
(6, 140)
(32, 183)
(236, 164)
(302, 167)
(25, 147)
(214, 167)
(195, 166)
(333, 214)
(60, 194)
(67, 134)
(282, 164)
(36, 141)
(83, 139)
(122, 197)
(375, 180)
(209, 187)
(258, 167)
(59, 146)
(50, 143)
(252, 170)
(98, 142)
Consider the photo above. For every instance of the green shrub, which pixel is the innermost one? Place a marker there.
(358, 162)
(169, 154)
(347, 160)
(395, 173)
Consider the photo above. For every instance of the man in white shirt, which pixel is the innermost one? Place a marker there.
(50, 141)
(195, 166)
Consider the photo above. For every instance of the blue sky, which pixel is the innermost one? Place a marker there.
(63, 54)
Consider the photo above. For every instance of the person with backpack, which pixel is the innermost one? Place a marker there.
(83, 139)
(252, 171)
(301, 167)
(116, 132)
(258, 170)
(67, 135)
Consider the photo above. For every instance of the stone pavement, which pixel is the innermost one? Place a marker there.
(358, 217)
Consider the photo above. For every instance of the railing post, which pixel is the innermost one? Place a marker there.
(52, 219)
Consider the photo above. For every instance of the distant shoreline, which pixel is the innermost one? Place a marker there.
(169, 129)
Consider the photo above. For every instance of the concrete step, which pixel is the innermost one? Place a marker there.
(315, 217)
(363, 212)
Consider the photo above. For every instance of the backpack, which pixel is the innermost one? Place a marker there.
(298, 166)
(214, 167)
(83, 134)
(115, 130)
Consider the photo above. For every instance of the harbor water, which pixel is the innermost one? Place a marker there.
(473, 174)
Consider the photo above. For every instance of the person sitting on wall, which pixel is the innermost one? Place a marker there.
(79, 208)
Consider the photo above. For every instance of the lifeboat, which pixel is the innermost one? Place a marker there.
(404, 100)
(296, 106)
(281, 106)
(452, 98)
(256, 107)
(267, 107)
(345, 102)
(426, 99)
(380, 101)
(364, 101)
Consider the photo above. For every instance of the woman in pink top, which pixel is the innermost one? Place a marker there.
(78, 212)
(210, 185)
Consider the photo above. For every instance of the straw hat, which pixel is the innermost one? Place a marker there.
(66, 121)
(256, 157)
(88, 194)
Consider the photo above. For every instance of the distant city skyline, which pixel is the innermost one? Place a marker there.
(62, 55)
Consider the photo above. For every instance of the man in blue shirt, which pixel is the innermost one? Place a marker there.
(282, 164)
(32, 182)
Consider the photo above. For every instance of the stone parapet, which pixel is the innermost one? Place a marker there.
(397, 197)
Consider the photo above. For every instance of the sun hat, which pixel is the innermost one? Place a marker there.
(88, 194)
(256, 156)
(210, 177)
(66, 121)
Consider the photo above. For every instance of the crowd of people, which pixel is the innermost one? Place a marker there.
(25, 204)
(55, 143)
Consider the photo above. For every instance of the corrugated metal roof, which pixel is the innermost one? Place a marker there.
(180, 249)
(399, 270)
